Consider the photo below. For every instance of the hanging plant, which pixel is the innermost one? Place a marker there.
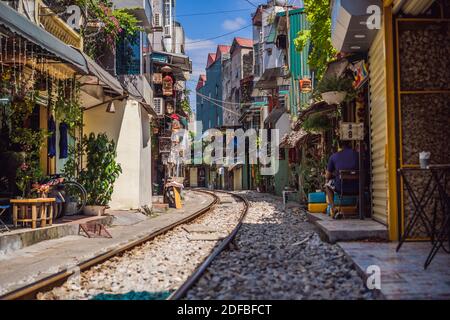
(68, 107)
(317, 123)
(334, 90)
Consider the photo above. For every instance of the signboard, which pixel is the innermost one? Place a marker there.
(159, 58)
(352, 131)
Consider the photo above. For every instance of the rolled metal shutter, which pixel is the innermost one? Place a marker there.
(378, 120)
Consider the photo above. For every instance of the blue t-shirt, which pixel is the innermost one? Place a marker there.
(347, 159)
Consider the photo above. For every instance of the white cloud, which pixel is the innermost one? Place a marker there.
(199, 44)
(233, 24)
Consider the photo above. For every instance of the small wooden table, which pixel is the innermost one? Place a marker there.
(23, 208)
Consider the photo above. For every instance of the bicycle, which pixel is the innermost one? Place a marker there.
(71, 197)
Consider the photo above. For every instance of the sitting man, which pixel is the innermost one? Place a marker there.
(347, 159)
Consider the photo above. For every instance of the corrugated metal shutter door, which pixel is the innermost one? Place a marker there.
(378, 128)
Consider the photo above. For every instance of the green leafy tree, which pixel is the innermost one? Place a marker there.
(318, 35)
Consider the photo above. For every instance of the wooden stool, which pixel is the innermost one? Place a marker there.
(40, 209)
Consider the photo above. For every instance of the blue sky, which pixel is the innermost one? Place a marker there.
(200, 27)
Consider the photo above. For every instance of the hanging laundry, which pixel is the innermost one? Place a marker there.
(63, 141)
(52, 138)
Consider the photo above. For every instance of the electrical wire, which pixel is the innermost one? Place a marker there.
(220, 36)
(218, 105)
(211, 13)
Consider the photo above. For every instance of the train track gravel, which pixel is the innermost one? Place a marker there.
(154, 269)
(279, 255)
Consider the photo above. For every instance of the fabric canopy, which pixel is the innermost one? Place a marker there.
(20, 25)
(84, 65)
(104, 78)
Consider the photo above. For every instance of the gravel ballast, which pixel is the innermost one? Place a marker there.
(155, 269)
(279, 255)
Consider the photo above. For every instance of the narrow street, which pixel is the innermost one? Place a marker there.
(277, 255)
(205, 151)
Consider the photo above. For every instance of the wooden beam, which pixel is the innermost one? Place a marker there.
(393, 216)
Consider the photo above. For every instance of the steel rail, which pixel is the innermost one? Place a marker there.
(30, 291)
(199, 272)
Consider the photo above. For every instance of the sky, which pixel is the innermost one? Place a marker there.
(199, 26)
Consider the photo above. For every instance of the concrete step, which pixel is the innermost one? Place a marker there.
(348, 229)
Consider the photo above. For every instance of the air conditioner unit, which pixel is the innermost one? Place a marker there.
(157, 20)
(167, 32)
(159, 106)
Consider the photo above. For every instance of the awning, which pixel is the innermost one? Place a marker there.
(236, 166)
(135, 86)
(102, 77)
(20, 25)
(274, 116)
(271, 79)
(175, 60)
(413, 7)
(336, 69)
(92, 73)
(316, 108)
(292, 139)
(349, 29)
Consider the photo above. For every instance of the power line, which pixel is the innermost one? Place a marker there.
(251, 3)
(220, 36)
(211, 13)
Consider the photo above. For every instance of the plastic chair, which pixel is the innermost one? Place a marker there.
(2, 211)
(348, 176)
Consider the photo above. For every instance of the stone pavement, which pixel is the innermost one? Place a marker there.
(402, 274)
(36, 262)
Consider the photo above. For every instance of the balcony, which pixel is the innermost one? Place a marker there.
(57, 27)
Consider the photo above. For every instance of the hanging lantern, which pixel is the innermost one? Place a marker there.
(305, 85)
(169, 107)
(167, 85)
(166, 69)
(157, 78)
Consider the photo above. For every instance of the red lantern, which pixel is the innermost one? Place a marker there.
(305, 85)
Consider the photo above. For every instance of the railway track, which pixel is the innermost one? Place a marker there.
(193, 279)
(31, 291)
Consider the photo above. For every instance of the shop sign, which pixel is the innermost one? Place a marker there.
(352, 131)
(167, 84)
(157, 78)
(159, 58)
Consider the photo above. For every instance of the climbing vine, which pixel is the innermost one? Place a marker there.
(318, 36)
(103, 25)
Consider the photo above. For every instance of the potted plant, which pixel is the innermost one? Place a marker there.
(100, 174)
(334, 90)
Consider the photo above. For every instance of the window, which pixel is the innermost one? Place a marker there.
(128, 55)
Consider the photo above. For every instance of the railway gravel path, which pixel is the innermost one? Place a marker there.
(156, 268)
(279, 255)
